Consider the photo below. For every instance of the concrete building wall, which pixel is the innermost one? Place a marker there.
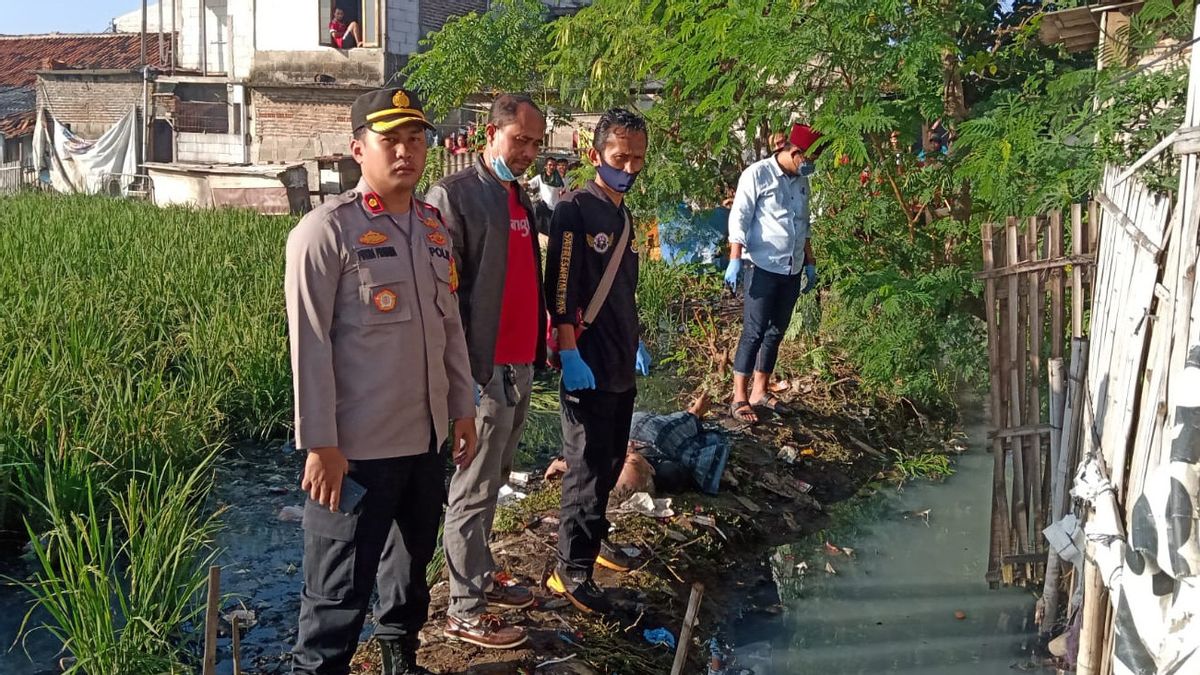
(403, 26)
(363, 67)
(89, 104)
(208, 148)
(216, 34)
(299, 124)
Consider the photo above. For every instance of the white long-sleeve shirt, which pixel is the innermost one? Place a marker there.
(770, 217)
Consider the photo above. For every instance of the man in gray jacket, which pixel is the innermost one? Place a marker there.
(490, 221)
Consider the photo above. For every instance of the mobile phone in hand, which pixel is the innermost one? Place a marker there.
(352, 494)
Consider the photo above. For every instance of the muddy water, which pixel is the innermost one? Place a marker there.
(912, 596)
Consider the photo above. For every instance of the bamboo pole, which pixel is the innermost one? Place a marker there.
(1055, 235)
(997, 547)
(210, 621)
(1076, 271)
(685, 632)
(1020, 512)
(1058, 397)
(1033, 452)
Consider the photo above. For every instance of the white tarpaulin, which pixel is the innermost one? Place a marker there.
(80, 165)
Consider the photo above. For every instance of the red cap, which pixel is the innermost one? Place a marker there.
(802, 136)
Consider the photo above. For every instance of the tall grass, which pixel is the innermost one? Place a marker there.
(135, 341)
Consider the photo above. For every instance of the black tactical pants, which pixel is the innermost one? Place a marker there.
(392, 533)
(595, 438)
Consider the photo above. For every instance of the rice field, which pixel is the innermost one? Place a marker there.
(135, 342)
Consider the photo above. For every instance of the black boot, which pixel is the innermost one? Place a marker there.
(400, 657)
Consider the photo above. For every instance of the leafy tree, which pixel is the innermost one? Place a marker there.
(898, 223)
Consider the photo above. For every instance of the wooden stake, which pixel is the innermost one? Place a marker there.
(210, 621)
(685, 632)
(1076, 271)
(998, 544)
(237, 645)
(1016, 353)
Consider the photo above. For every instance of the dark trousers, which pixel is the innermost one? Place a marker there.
(392, 533)
(770, 300)
(595, 438)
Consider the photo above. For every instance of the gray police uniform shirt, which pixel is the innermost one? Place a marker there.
(378, 352)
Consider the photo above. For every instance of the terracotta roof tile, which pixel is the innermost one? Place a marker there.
(15, 126)
(21, 55)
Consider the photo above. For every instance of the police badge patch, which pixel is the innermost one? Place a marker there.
(600, 243)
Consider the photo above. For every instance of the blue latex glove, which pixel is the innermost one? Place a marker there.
(643, 360)
(576, 374)
(732, 271)
(478, 394)
(810, 277)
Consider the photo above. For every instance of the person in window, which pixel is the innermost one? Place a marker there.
(344, 36)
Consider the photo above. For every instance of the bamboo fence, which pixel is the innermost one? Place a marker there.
(1026, 295)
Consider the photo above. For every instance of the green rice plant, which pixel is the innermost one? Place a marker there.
(122, 588)
(927, 465)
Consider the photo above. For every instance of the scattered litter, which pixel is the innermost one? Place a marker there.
(632, 551)
(519, 478)
(659, 636)
(554, 603)
(551, 662)
(747, 503)
(277, 490)
(923, 515)
(791, 522)
(291, 514)
(829, 568)
(291, 569)
(675, 534)
(802, 567)
(508, 495)
(569, 639)
(830, 549)
(1058, 646)
(808, 452)
(707, 521)
(848, 551)
(960, 615)
(646, 505)
(246, 617)
(803, 487)
(788, 454)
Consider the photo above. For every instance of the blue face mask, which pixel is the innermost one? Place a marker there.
(806, 168)
(617, 179)
(501, 169)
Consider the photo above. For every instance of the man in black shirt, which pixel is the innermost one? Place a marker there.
(598, 359)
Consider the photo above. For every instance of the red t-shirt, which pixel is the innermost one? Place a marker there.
(337, 31)
(516, 340)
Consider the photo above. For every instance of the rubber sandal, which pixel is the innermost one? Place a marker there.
(737, 410)
(773, 404)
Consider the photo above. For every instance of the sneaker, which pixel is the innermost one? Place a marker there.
(585, 595)
(614, 558)
(507, 593)
(485, 630)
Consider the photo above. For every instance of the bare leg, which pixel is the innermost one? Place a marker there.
(356, 31)
(740, 395)
(761, 381)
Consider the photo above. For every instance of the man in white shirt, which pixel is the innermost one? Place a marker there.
(769, 228)
(549, 185)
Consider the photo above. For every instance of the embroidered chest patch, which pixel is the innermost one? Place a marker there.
(600, 243)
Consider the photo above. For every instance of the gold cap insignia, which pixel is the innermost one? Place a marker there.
(400, 99)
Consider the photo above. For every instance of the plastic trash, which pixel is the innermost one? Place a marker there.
(659, 636)
(646, 505)
(508, 495)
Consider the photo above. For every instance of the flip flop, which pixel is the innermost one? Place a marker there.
(773, 404)
(738, 411)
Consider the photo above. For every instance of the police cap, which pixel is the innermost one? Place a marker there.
(382, 110)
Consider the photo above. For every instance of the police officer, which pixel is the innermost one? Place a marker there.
(379, 368)
(598, 359)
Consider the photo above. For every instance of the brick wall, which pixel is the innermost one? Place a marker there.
(300, 123)
(90, 105)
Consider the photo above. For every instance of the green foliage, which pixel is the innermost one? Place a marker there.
(923, 465)
(895, 237)
(121, 588)
(503, 49)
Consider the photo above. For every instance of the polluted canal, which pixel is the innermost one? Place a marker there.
(902, 590)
